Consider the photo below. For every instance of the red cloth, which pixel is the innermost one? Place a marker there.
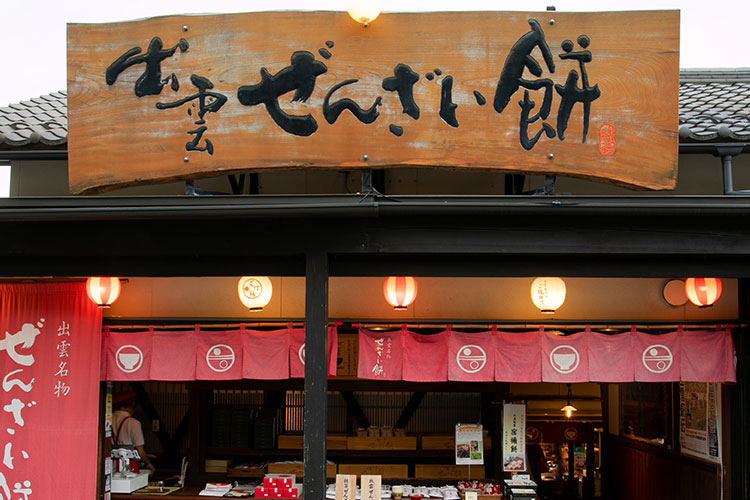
(707, 357)
(297, 352)
(50, 344)
(266, 355)
(425, 357)
(656, 358)
(129, 355)
(518, 357)
(610, 357)
(471, 357)
(380, 355)
(218, 355)
(565, 358)
(173, 355)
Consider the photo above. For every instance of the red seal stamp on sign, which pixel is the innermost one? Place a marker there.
(607, 144)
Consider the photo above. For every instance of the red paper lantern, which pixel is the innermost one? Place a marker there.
(703, 292)
(400, 291)
(103, 291)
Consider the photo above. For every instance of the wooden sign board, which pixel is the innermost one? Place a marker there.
(370, 487)
(591, 95)
(346, 486)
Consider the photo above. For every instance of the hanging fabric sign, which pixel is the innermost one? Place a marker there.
(469, 444)
(565, 358)
(173, 355)
(657, 357)
(380, 355)
(471, 357)
(705, 357)
(700, 417)
(518, 357)
(425, 357)
(265, 355)
(297, 352)
(218, 355)
(514, 438)
(49, 364)
(610, 357)
(129, 355)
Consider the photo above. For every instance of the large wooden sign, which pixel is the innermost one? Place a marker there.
(591, 95)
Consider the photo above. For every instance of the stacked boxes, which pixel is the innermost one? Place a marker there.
(278, 487)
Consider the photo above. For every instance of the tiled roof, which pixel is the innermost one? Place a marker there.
(714, 107)
(39, 120)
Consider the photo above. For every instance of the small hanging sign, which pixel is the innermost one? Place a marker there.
(514, 438)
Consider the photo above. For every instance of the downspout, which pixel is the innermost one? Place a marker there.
(726, 151)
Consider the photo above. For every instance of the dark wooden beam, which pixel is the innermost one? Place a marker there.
(353, 409)
(153, 414)
(316, 374)
(408, 412)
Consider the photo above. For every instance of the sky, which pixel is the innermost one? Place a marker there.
(33, 33)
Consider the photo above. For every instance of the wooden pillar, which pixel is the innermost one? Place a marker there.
(739, 402)
(316, 374)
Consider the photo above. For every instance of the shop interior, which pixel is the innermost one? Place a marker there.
(240, 430)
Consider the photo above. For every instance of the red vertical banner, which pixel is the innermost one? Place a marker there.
(173, 355)
(610, 357)
(49, 363)
(707, 357)
(656, 358)
(380, 355)
(471, 357)
(218, 355)
(129, 355)
(518, 357)
(565, 359)
(265, 355)
(297, 352)
(425, 357)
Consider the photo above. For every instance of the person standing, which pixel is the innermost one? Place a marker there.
(126, 429)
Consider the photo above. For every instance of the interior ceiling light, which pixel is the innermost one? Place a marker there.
(703, 292)
(255, 292)
(548, 294)
(400, 291)
(103, 291)
(568, 408)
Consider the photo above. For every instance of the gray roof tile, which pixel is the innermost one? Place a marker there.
(714, 105)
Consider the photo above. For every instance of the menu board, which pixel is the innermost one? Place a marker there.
(469, 444)
(514, 438)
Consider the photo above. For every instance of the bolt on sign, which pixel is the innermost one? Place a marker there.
(591, 95)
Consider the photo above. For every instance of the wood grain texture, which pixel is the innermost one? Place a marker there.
(434, 471)
(117, 139)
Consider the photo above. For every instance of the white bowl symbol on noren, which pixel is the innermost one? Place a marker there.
(564, 358)
(301, 353)
(657, 358)
(220, 357)
(471, 358)
(129, 358)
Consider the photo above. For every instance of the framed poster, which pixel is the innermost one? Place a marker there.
(700, 417)
(469, 444)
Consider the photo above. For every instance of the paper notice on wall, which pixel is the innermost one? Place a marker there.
(514, 438)
(700, 416)
(469, 444)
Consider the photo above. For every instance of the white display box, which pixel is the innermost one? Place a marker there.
(122, 484)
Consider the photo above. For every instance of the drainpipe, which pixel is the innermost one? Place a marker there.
(726, 151)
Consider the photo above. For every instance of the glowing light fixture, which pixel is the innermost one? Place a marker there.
(255, 292)
(548, 294)
(363, 11)
(568, 408)
(400, 291)
(103, 291)
(703, 292)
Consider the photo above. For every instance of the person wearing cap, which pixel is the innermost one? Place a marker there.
(126, 429)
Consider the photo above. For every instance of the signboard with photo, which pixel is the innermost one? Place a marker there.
(469, 444)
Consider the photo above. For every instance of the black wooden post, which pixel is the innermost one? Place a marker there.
(316, 374)
(739, 402)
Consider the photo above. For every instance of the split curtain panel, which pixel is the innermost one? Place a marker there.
(533, 356)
